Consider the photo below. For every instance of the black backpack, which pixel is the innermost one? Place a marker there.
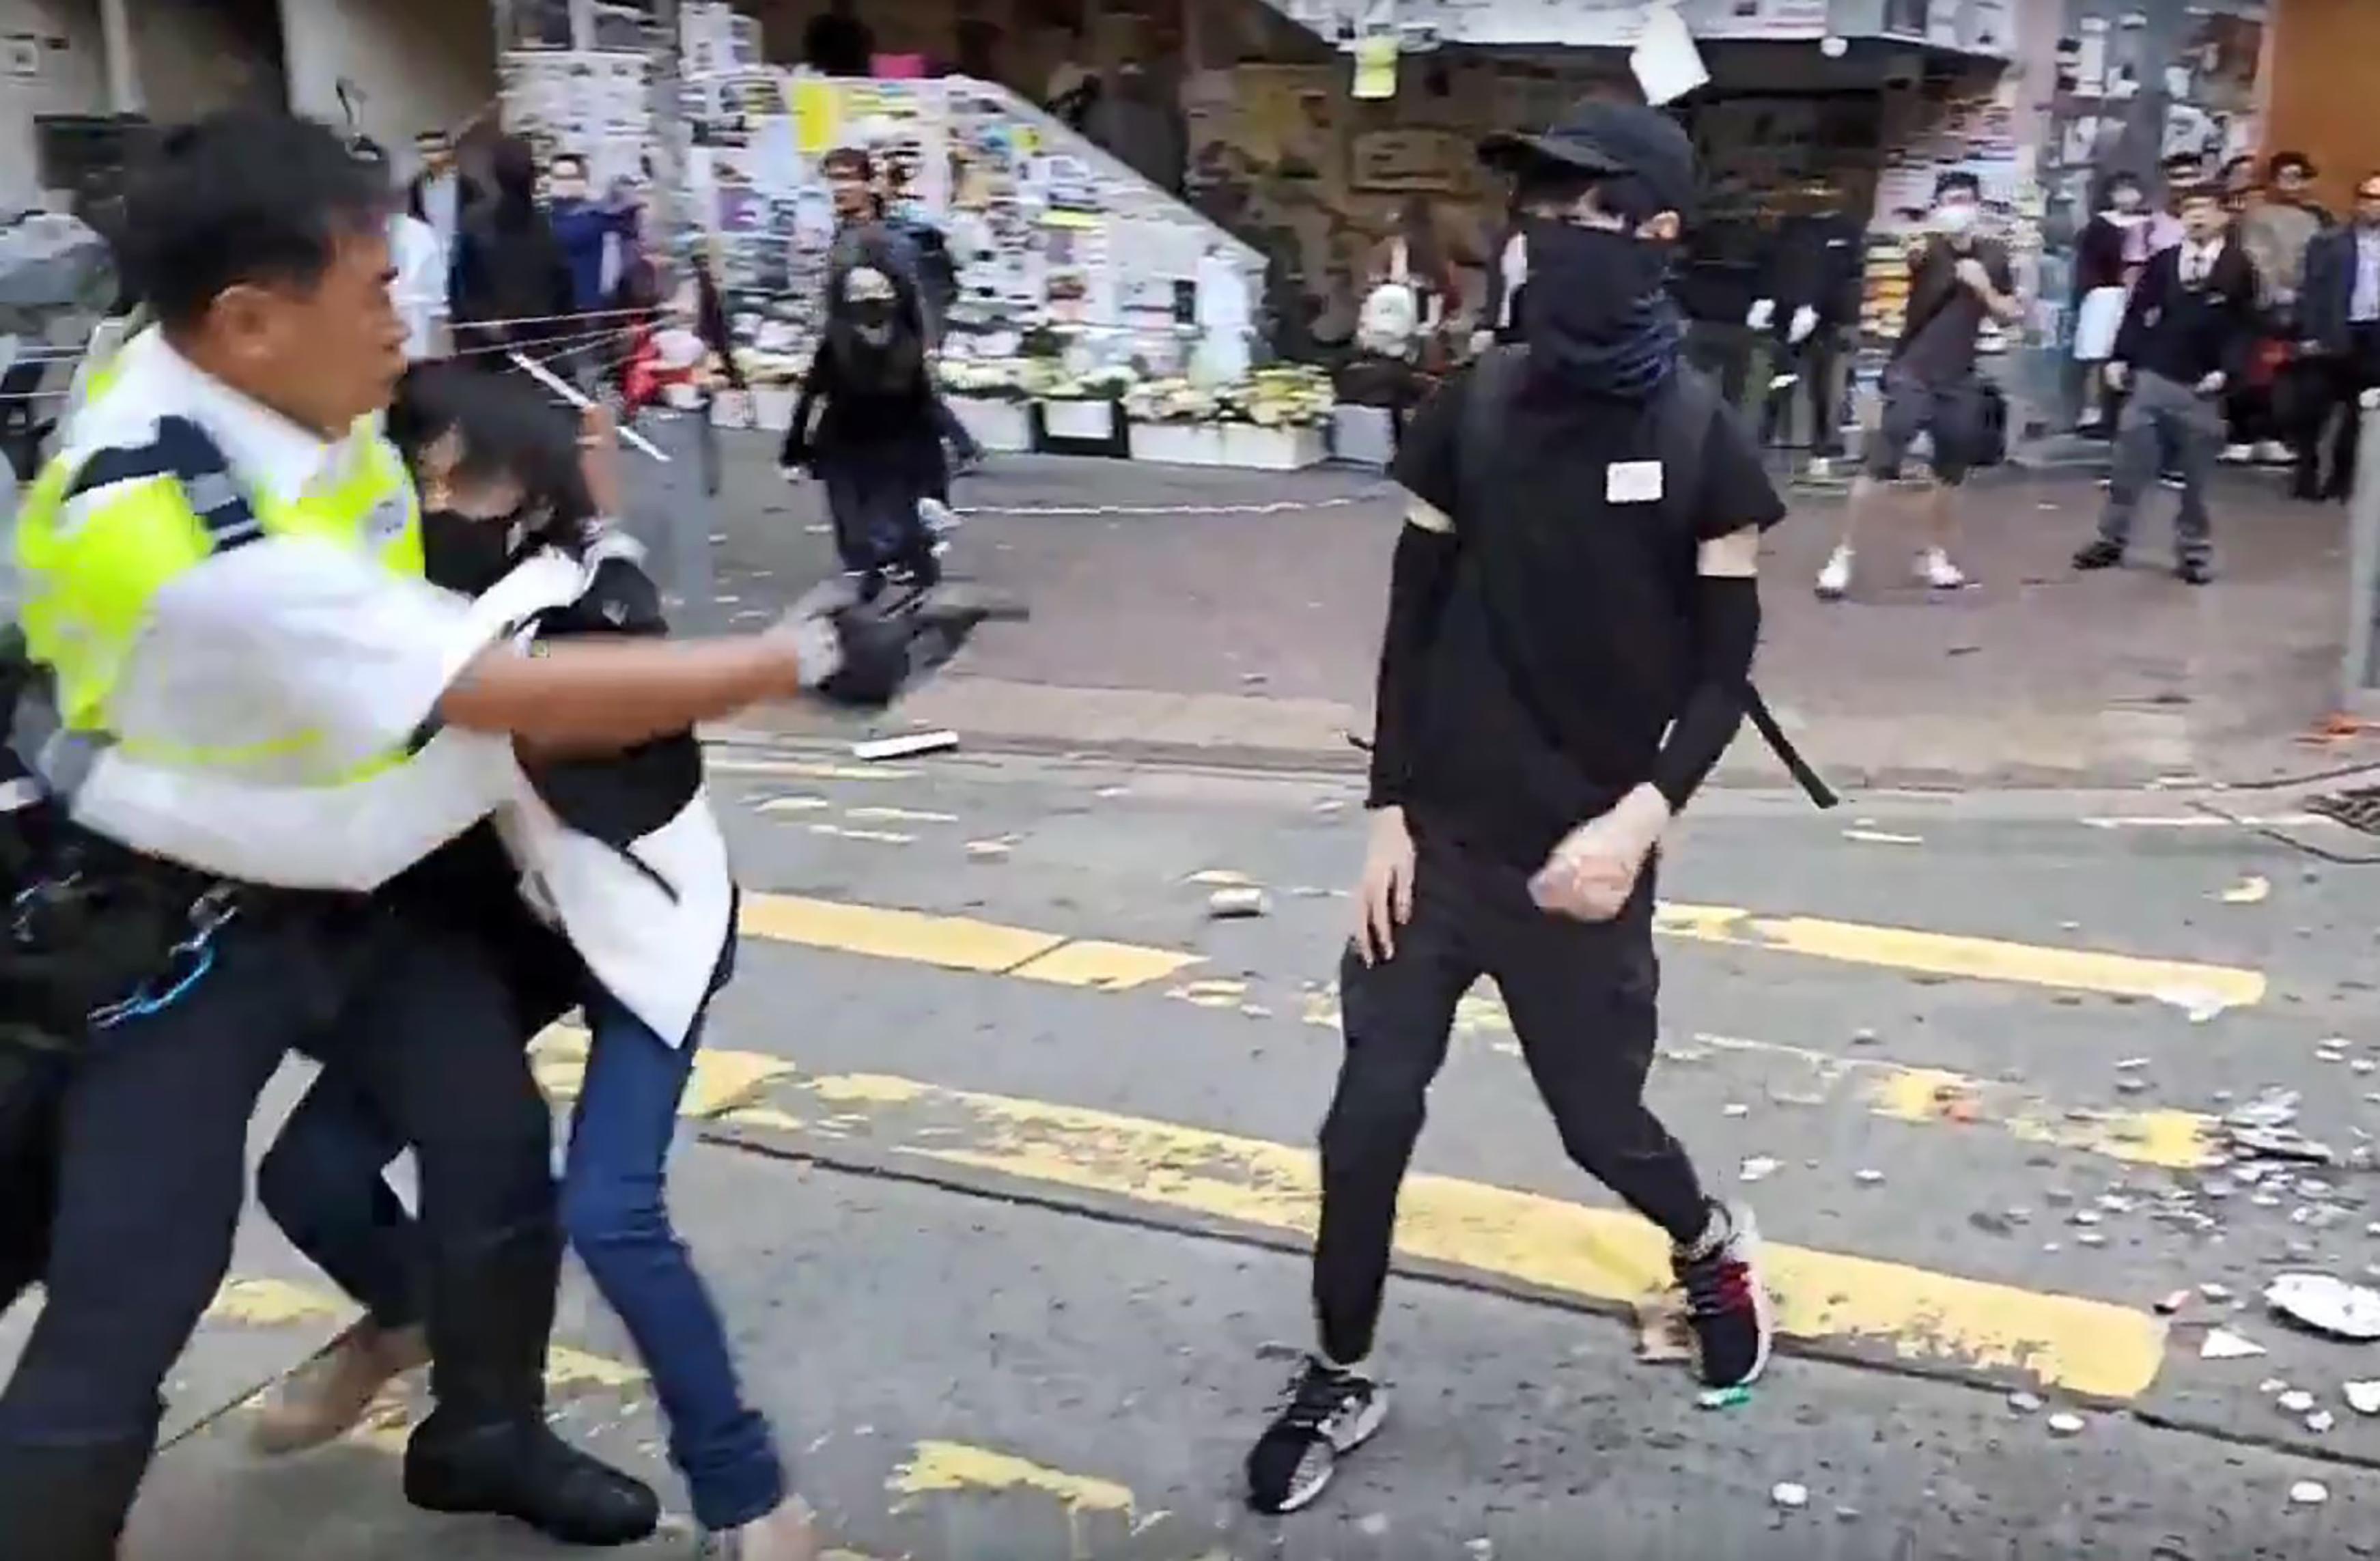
(1689, 405)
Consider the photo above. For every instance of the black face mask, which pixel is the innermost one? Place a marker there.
(1596, 313)
(465, 554)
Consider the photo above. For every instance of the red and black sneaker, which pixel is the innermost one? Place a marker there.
(1727, 1303)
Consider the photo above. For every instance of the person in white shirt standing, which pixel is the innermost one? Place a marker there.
(418, 288)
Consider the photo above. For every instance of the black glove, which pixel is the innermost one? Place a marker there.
(871, 659)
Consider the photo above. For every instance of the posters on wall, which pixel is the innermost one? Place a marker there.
(595, 105)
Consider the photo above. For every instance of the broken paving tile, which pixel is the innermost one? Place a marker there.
(1736, 1109)
(2326, 1305)
(2222, 1344)
(2363, 1397)
(1868, 1177)
(1862, 1036)
(1232, 904)
(2173, 1302)
(2309, 1492)
(2065, 1423)
(2024, 1403)
(1789, 1495)
(2296, 1401)
(1757, 1168)
(2320, 1422)
(2253, 890)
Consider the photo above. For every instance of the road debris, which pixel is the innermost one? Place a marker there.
(1757, 1168)
(1723, 1397)
(1221, 877)
(2253, 890)
(2024, 1403)
(1882, 837)
(2173, 1302)
(907, 745)
(2296, 1401)
(1862, 1036)
(2326, 1305)
(1869, 1176)
(1789, 1495)
(2320, 1422)
(1235, 905)
(2222, 1344)
(2197, 1003)
(1736, 1109)
(2309, 1492)
(2363, 1397)
(2265, 1128)
(2065, 1423)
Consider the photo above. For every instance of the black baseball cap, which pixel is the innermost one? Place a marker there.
(1607, 137)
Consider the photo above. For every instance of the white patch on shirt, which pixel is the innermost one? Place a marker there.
(386, 523)
(1633, 483)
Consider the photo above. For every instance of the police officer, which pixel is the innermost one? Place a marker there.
(249, 684)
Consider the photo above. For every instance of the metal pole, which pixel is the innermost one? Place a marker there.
(2358, 693)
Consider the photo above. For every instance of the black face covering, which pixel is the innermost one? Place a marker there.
(1598, 316)
(465, 554)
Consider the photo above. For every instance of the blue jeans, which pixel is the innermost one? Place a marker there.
(323, 1184)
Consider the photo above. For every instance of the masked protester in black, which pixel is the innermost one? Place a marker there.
(1571, 616)
(877, 446)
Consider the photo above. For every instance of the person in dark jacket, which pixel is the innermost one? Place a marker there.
(878, 447)
(2109, 255)
(1810, 295)
(837, 43)
(512, 286)
(2338, 323)
(2187, 336)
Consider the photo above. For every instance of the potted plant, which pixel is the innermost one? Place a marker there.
(1278, 419)
(989, 398)
(1175, 422)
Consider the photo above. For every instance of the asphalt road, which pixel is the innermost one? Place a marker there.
(1000, 1168)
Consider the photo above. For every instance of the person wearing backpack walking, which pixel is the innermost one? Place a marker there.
(1572, 615)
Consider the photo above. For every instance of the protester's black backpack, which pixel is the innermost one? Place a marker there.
(1689, 406)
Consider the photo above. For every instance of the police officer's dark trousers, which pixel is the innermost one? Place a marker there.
(1581, 996)
(150, 1172)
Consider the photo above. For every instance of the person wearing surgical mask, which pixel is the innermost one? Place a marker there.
(1958, 279)
(877, 446)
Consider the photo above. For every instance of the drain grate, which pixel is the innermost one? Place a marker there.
(2357, 809)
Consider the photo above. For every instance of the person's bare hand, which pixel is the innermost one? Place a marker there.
(599, 458)
(1592, 873)
(2212, 383)
(1384, 898)
(2117, 374)
(1972, 271)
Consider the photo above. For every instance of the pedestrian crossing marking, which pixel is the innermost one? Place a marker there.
(968, 943)
(1953, 954)
(1602, 1256)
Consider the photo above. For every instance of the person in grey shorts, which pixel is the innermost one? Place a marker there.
(1957, 280)
(2186, 338)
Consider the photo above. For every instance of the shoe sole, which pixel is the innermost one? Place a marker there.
(1366, 1426)
(1830, 593)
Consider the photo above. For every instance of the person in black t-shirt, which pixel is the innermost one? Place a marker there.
(1572, 619)
(1957, 280)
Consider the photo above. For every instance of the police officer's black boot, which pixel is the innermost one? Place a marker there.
(486, 1449)
(67, 1503)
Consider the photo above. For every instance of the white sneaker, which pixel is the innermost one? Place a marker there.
(1836, 578)
(2238, 454)
(937, 516)
(1934, 567)
(2272, 453)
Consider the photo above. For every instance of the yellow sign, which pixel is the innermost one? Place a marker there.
(816, 111)
(1376, 67)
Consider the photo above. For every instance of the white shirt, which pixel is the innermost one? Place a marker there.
(2197, 261)
(2363, 304)
(419, 289)
(442, 208)
(305, 657)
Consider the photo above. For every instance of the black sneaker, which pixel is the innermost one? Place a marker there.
(1727, 1304)
(2098, 553)
(1329, 1413)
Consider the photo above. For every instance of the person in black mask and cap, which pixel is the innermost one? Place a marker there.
(1571, 617)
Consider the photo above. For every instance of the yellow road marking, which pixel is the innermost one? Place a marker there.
(966, 943)
(935, 1467)
(2172, 1140)
(958, 943)
(1601, 1256)
(1977, 959)
(721, 1080)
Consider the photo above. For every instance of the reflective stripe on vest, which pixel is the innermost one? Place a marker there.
(96, 541)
